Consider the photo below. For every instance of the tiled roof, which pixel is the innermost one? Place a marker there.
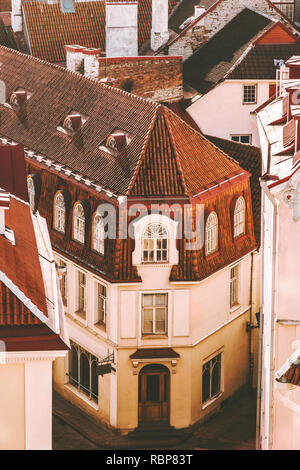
(249, 158)
(290, 371)
(211, 62)
(5, 5)
(49, 30)
(258, 64)
(56, 91)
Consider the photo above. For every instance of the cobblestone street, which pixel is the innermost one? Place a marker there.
(232, 428)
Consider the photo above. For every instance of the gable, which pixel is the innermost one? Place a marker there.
(278, 34)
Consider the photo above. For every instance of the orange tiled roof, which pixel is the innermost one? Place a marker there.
(49, 30)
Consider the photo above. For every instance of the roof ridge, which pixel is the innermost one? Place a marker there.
(80, 76)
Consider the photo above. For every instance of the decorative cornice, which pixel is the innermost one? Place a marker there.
(29, 356)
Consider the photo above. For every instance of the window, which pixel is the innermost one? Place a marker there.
(239, 217)
(211, 233)
(249, 92)
(155, 309)
(31, 192)
(100, 304)
(82, 371)
(234, 286)
(242, 139)
(81, 294)
(211, 378)
(98, 234)
(62, 276)
(59, 213)
(78, 223)
(155, 244)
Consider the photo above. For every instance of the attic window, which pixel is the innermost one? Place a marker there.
(72, 123)
(18, 98)
(115, 142)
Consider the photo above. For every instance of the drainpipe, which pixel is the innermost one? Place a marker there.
(275, 204)
(251, 325)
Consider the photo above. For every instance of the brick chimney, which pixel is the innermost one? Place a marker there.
(16, 16)
(121, 29)
(159, 31)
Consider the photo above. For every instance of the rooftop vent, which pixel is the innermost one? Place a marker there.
(108, 81)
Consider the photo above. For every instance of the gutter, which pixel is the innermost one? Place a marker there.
(275, 204)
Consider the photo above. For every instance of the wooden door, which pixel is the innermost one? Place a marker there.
(154, 396)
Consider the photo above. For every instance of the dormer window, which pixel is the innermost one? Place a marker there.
(211, 234)
(115, 142)
(78, 223)
(59, 212)
(239, 217)
(72, 123)
(155, 244)
(18, 98)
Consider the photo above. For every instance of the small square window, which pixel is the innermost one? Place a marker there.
(242, 138)
(249, 93)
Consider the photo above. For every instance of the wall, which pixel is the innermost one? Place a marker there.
(157, 78)
(214, 21)
(12, 414)
(221, 112)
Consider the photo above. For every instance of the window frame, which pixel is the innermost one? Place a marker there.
(31, 192)
(155, 248)
(81, 287)
(239, 136)
(249, 85)
(155, 307)
(211, 234)
(62, 211)
(234, 286)
(97, 321)
(239, 218)
(101, 242)
(63, 280)
(80, 227)
(213, 397)
(77, 382)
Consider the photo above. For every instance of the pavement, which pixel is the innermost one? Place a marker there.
(231, 428)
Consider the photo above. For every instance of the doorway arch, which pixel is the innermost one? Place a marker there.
(154, 394)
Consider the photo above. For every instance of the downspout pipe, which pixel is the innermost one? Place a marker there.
(275, 205)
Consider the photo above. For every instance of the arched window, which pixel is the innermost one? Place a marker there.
(211, 233)
(59, 212)
(239, 217)
(78, 223)
(31, 192)
(98, 234)
(155, 244)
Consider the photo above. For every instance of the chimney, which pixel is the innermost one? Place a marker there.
(199, 10)
(4, 205)
(74, 58)
(91, 63)
(159, 31)
(16, 16)
(121, 29)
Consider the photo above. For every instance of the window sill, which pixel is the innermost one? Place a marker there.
(247, 104)
(154, 336)
(211, 401)
(82, 396)
(100, 325)
(81, 314)
(212, 255)
(234, 308)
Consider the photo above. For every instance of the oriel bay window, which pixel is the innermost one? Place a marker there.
(82, 371)
(211, 378)
(155, 313)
